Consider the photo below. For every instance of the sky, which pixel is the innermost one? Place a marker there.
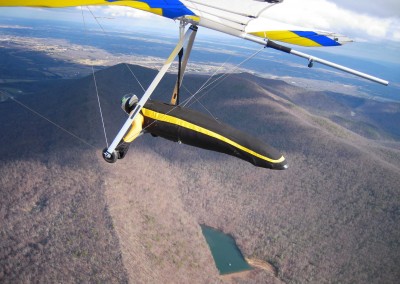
(374, 25)
(361, 20)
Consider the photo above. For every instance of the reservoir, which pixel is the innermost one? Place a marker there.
(225, 252)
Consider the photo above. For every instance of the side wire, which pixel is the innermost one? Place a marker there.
(48, 120)
(104, 31)
(226, 75)
(101, 112)
(205, 85)
(94, 77)
(134, 76)
(208, 80)
(194, 97)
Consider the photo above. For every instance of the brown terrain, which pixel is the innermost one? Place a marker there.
(67, 216)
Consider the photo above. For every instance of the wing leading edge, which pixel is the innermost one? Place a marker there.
(237, 15)
(170, 9)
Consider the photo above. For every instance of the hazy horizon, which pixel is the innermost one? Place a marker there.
(229, 51)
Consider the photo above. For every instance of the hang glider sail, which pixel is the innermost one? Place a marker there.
(240, 18)
(246, 19)
(229, 16)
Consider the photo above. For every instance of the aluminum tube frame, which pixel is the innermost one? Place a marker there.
(223, 27)
(185, 60)
(312, 59)
(147, 94)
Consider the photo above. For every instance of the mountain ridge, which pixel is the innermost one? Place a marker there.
(331, 215)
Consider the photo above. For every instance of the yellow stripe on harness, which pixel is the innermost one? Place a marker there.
(177, 121)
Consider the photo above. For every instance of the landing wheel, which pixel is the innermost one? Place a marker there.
(110, 158)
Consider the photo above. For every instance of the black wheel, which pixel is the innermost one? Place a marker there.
(110, 158)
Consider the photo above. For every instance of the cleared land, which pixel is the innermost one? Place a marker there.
(68, 216)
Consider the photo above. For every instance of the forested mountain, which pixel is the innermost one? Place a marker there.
(68, 216)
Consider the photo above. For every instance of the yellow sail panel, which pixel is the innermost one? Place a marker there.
(52, 3)
(171, 9)
(286, 36)
(137, 5)
(303, 38)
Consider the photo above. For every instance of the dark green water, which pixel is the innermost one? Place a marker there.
(227, 255)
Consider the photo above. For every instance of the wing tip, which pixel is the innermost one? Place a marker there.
(304, 38)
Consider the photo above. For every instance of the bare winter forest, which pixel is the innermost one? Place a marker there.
(67, 216)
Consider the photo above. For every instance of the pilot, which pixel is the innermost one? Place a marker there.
(187, 126)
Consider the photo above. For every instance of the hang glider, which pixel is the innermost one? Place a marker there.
(241, 18)
(236, 17)
(246, 19)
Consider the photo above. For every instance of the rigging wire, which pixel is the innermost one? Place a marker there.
(94, 77)
(104, 31)
(94, 17)
(205, 85)
(209, 78)
(226, 75)
(101, 112)
(220, 79)
(52, 122)
(213, 116)
(133, 74)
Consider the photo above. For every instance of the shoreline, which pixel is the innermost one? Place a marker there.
(256, 264)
